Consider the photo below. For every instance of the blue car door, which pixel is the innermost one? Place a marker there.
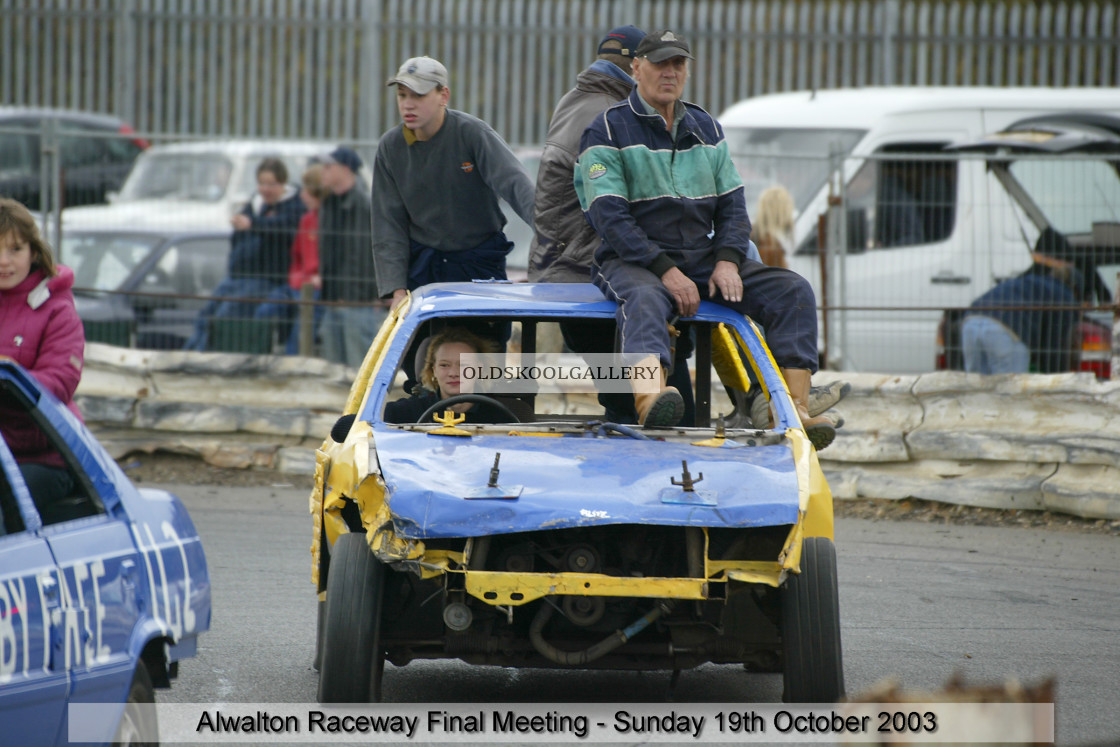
(98, 569)
(33, 687)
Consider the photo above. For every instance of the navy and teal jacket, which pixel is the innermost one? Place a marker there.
(659, 203)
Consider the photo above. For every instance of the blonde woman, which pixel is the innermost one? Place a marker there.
(772, 228)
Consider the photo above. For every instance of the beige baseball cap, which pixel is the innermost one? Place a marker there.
(420, 74)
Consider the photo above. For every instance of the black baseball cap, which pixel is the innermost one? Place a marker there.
(663, 45)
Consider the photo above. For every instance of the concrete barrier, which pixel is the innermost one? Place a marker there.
(1019, 441)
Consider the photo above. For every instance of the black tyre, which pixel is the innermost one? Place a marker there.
(352, 660)
(139, 725)
(320, 630)
(812, 658)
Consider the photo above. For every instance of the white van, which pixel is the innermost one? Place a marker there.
(925, 232)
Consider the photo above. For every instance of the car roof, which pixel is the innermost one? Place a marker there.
(502, 298)
(242, 147)
(528, 299)
(71, 115)
(861, 108)
(170, 232)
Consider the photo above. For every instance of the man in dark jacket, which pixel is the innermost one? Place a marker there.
(564, 242)
(346, 262)
(260, 250)
(1027, 318)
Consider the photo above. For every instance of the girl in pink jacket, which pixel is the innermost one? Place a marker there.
(39, 329)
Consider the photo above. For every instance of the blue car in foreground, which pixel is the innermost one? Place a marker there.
(554, 539)
(102, 593)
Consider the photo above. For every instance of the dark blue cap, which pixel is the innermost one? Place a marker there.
(346, 157)
(628, 36)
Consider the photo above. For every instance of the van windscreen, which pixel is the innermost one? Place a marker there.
(796, 159)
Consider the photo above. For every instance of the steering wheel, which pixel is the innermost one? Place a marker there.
(480, 399)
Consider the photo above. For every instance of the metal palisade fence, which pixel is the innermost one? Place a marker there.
(317, 68)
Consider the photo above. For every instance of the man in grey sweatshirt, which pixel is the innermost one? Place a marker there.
(436, 183)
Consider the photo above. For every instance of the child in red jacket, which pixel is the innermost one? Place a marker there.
(39, 329)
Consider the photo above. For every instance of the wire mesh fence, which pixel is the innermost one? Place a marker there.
(897, 255)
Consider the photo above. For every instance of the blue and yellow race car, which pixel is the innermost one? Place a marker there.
(547, 536)
(102, 591)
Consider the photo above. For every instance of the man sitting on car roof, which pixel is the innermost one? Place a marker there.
(657, 183)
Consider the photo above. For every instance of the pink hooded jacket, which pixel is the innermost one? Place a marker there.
(40, 329)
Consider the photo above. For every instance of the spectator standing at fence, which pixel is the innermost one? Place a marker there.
(1022, 317)
(304, 267)
(772, 231)
(39, 329)
(656, 181)
(438, 178)
(260, 251)
(346, 265)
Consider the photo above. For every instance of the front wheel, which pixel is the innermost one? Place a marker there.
(352, 658)
(138, 726)
(812, 658)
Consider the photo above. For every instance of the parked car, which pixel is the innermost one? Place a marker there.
(924, 232)
(1042, 162)
(134, 286)
(195, 185)
(102, 594)
(557, 540)
(97, 151)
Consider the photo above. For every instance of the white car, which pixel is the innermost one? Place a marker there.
(195, 185)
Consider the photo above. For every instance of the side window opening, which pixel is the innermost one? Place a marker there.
(60, 493)
(903, 196)
(914, 196)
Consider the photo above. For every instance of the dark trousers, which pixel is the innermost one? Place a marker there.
(778, 299)
(601, 337)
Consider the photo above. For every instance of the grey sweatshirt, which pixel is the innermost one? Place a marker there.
(442, 192)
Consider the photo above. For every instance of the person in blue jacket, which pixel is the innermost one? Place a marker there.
(1028, 317)
(260, 250)
(656, 181)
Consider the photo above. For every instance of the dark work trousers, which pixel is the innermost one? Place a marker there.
(600, 336)
(778, 299)
(487, 261)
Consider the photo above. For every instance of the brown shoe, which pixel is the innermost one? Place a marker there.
(820, 430)
(660, 409)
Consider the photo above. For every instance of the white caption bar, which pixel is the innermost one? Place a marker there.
(294, 723)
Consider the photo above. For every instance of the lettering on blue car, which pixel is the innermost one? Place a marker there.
(170, 608)
(14, 631)
(82, 626)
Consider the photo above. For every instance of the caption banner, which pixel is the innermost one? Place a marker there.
(291, 723)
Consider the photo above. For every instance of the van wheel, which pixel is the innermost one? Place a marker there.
(812, 658)
(352, 660)
(139, 725)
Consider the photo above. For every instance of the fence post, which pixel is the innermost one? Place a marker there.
(370, 82)
(307, 320)
(889, 20)
(837, 255)
(50, 185)
(124, 73)
(1114, 367)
